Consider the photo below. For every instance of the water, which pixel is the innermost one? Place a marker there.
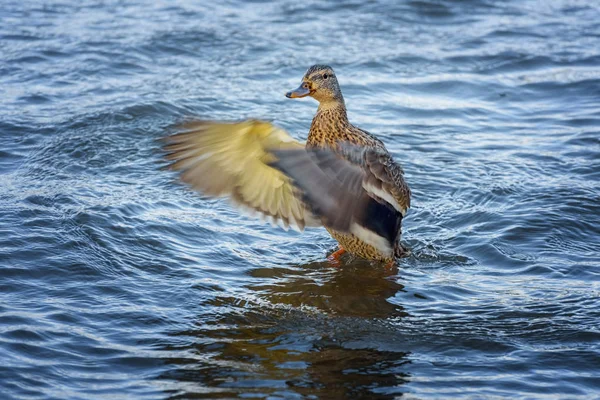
(116, 282)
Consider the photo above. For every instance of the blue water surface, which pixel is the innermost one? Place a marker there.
(118, 282)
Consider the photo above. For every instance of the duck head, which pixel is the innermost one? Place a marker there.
(320, 83)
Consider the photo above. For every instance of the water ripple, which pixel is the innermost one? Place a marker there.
(115, 281)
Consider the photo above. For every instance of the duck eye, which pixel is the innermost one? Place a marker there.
(325, 76)
(305, 85)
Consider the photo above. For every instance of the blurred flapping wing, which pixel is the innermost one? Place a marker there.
(232, 160)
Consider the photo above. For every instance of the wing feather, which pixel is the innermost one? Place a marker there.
(384, 178)
(353, 190)
(232, 160)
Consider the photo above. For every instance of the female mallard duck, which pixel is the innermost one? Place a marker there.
(343, 178)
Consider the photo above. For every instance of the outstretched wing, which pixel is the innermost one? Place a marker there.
(232, 160)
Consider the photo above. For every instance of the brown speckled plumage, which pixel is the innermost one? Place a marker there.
(331, 128)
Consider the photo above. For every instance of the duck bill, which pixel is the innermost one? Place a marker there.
(300, 92)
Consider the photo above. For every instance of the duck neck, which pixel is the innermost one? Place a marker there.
(336, 103)
(329, 124)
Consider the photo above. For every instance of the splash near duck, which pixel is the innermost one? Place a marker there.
(343, 178)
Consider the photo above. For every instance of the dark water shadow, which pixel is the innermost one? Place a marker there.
(298, 331)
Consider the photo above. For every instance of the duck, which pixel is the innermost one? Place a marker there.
(342, 178)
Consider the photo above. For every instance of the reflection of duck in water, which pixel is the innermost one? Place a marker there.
(352, 291)
(343, 178)
(299, 331)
